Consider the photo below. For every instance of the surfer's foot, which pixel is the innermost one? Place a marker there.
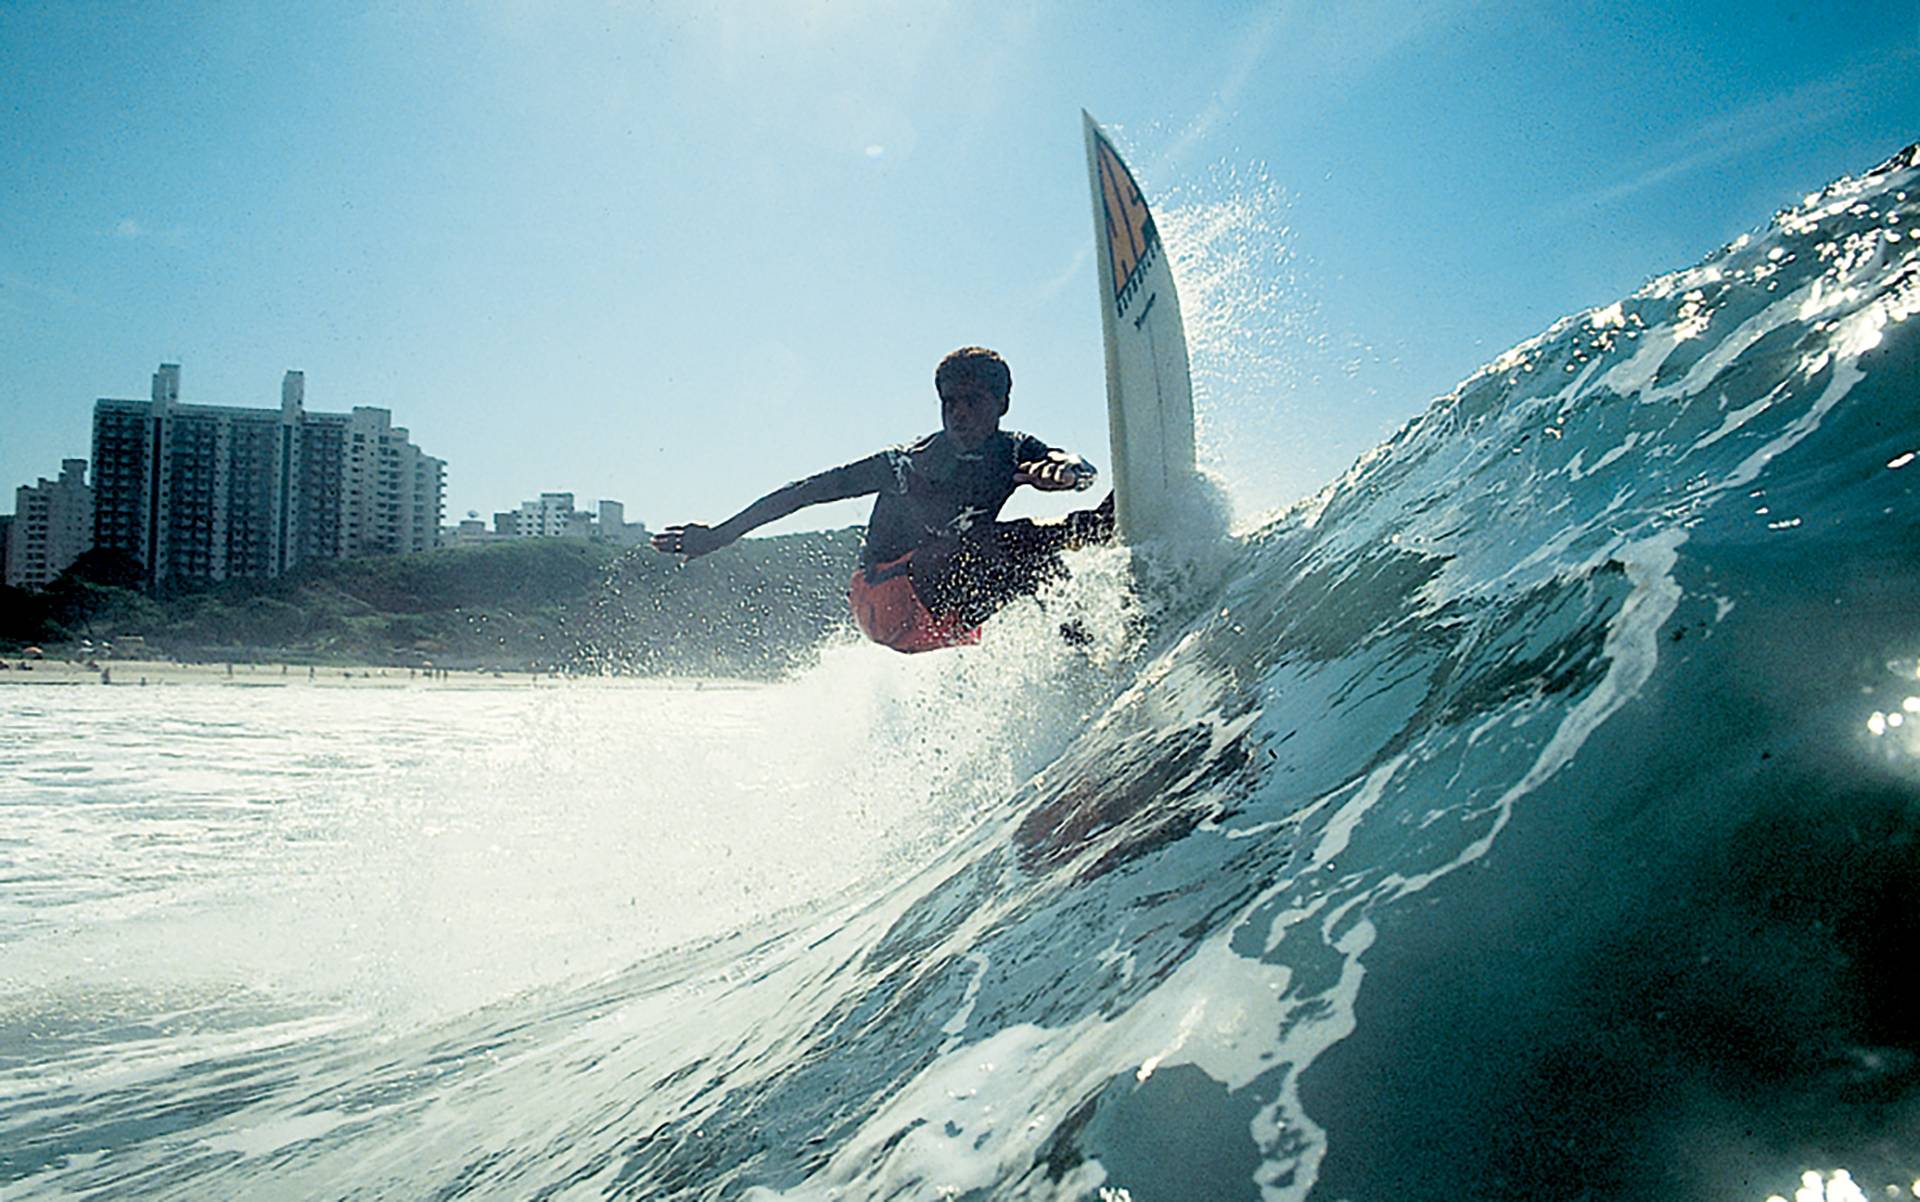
(1088, 527)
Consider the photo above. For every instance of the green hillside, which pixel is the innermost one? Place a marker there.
(760, 607)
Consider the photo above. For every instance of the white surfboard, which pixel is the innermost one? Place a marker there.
(1149, 393)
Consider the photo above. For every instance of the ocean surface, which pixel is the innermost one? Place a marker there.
(1532, 813)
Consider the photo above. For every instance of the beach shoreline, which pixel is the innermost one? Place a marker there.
(153, 673)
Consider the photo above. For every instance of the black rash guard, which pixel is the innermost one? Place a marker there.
(928, 489)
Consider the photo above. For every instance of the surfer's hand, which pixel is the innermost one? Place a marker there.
(1058, 472)
(689, 540)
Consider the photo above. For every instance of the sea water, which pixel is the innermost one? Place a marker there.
(401, 851)
(224, 900)
(1534, 812)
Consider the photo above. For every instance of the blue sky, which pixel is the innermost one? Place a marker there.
(676, 257)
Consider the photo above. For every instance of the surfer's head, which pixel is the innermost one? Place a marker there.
(975, 386)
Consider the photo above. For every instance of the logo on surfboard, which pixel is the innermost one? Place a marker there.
(1132, 240)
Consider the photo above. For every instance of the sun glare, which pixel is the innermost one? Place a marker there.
(1838, 1186)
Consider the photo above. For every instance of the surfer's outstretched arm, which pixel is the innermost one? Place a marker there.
(857, 479)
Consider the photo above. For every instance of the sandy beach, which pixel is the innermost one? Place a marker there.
(21, 670)
(152, 673)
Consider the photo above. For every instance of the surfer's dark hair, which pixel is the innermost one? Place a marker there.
(975, 365)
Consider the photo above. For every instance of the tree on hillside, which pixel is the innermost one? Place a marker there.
(23, 616)
(109, 566)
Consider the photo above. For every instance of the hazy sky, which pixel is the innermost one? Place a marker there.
(676, 257)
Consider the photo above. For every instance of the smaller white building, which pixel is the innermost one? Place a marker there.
(551, 516)
(613, 526)
(52, 524)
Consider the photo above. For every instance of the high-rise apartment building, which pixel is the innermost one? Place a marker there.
(52, 524)
(200, 493)
(394, 491)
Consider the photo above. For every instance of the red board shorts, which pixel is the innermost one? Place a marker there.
(891, 614)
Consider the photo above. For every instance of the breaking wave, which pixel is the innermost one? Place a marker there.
(1534, 812)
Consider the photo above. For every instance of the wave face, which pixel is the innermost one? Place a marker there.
(1533, 813)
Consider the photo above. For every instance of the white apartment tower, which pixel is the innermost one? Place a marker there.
(394, 492)
(201, 493)
(52, 524)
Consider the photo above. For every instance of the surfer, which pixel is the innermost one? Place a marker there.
(937, 562)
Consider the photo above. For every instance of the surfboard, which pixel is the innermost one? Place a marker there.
(1149, 391)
